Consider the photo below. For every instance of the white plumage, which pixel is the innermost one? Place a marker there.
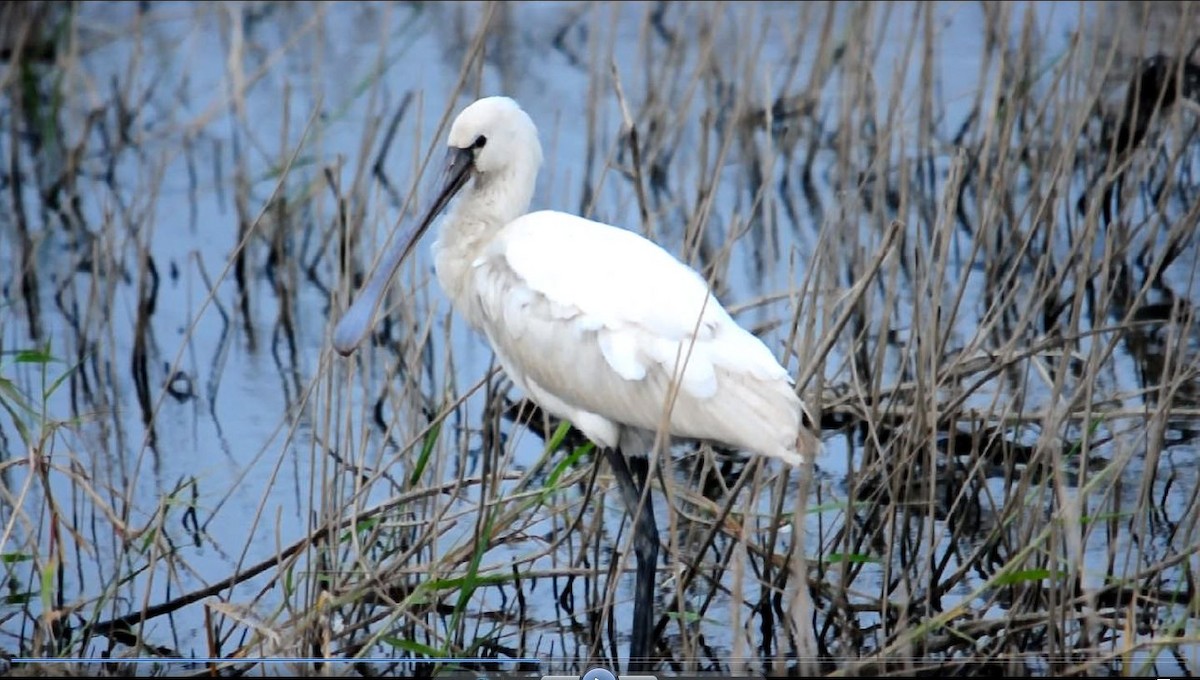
(595, 323)
(603, 332)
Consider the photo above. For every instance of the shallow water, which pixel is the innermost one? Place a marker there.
(235, 469)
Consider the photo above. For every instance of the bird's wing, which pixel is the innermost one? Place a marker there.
(551, 276)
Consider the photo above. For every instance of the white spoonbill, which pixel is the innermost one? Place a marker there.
(596, 324)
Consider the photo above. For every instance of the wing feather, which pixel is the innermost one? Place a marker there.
(615, 281)
(606, 273)
(601, 320)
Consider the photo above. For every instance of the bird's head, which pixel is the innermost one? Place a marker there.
(493, 138)
(494, 135)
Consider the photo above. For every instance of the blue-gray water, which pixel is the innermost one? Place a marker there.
(216, 88)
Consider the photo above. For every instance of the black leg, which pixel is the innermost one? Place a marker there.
(645, 547)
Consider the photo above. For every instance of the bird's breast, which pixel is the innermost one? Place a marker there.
(455, 258)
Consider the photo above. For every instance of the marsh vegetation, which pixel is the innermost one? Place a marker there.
(968, 229)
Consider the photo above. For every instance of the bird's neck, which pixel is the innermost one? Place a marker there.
(485, 207)
(498, 199)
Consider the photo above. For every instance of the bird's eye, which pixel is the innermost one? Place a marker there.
(480, 141)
